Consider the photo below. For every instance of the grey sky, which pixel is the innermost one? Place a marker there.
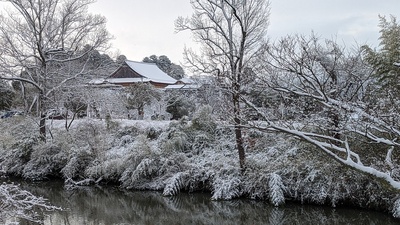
(145, 27)
(142, 28)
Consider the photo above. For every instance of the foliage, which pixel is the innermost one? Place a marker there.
(46, 161)
(140, 94)
(6, 96)
(204, 120)
(178, 106)
(276, 190)
(280, 168)
(175, 184)
(386, 61)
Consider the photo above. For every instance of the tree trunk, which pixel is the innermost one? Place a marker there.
(141, 112)
(238, 130)
(42, 127)
(42, 114)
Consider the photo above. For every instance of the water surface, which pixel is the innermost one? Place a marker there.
(109, 205)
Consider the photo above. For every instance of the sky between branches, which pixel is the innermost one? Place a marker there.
(143, 28)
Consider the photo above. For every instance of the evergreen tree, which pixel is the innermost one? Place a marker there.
(386, 60)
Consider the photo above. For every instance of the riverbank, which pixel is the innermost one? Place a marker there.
(186, 156)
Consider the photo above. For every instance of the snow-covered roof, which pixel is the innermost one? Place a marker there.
(187, 80)
(182, 86)
(97, 81)
(126, 80)
(150, 71)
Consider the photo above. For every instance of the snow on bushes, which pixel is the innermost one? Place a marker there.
(197, 155)
(277, 188)
(396, 208)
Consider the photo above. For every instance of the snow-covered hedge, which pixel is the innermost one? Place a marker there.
(197, 155)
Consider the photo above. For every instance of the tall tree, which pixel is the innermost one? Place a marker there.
(231, 33)
(47, 40)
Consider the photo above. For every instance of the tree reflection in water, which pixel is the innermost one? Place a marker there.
(108, 205)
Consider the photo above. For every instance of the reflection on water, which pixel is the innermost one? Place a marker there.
(98, 206)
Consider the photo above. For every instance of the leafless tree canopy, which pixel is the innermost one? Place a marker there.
(340, 84)
(231, 33)
(44, 43)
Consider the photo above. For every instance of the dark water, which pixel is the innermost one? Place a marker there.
(107, 206)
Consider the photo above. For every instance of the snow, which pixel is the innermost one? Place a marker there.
(183, 87)
(151, 72)
(126, 80)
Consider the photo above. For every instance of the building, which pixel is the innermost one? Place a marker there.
(131, 72)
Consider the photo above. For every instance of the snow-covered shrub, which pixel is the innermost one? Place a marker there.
(176, 139)
(175, 184)
(276, 190)
(255, 185)
(226, 184)
(204, 120)
(46, 160)
(131, 177)
(396, 208)
(77, 164)
(14, 160)
(226, 189)
(109, 170)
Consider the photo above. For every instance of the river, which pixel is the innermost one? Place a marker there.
(110, 205)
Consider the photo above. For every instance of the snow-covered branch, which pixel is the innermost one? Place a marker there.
(18, 203)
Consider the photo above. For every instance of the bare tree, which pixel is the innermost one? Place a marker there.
(44, 40)
(346, 126)
(231, 33)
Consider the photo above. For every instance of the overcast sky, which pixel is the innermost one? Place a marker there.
(145, 27)
(142, 28)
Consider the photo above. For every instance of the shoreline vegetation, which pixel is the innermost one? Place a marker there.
(187, 156)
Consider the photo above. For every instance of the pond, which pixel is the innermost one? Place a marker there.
(110, 205)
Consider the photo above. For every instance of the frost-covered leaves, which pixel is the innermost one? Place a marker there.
(46, 160)
(201, 160)
(227, 184)
(145, 169)
(276, 193)
(175, 184)
(396, 208)
(15, 202)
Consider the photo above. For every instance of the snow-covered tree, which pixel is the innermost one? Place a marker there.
(338, 82)
(385, 60)
(139, 95)
(231, 33)
(47, 40)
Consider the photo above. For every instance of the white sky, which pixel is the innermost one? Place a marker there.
(145, 27)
